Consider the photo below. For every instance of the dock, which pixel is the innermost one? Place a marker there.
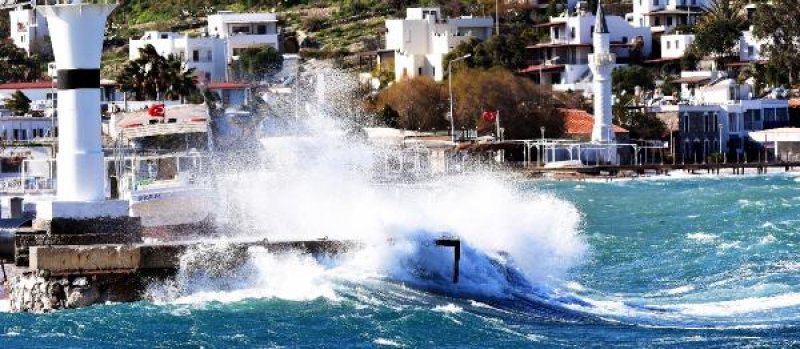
(620, 171)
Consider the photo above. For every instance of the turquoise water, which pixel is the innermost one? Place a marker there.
(693, 262)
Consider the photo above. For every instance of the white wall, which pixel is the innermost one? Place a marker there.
(423, 39)
(210, 61)
(675, 45)
(750, 48)
(28, 29)
(244, 30)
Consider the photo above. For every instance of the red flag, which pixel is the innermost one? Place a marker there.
(489, 116)
(156, 110)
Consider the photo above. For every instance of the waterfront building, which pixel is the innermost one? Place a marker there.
(715, 114)
(563, 61)
(416, 45)
(28, 29)
(204, 54)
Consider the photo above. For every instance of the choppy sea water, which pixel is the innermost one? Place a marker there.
(676, 262)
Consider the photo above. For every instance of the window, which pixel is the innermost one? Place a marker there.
(261, 29)
(209, 56)
(751, 51)
(195, 55)
(655, 2)
(419, 71)
(668, 45)
(164, 36)
(658, 22)
(240, 29)
(669, 21)
(733, 122)
(572, 32)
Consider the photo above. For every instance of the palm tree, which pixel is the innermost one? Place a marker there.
(153, 76)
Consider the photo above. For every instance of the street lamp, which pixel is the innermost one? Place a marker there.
(725, 160)
(450, 82)
(543, 152)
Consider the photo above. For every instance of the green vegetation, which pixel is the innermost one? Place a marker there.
(258, 62)
(717, 34)
(776, 22)
(19, 103)
(15, 64)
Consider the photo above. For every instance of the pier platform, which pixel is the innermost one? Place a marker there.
(619, 171)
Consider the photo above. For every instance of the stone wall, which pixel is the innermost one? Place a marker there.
(37, 292)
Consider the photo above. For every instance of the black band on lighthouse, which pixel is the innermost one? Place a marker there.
(71, 79)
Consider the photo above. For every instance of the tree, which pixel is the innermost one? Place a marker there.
(257, 63)
(19, 103)
(16, 66)
(507, 51)
(776, 23)
(421, 103)
(640, 125)
(155, 77)
(524, 106)
(390, 117)
(626, 79)
(717, 34)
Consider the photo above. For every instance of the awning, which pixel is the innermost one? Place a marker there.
(558, 45)
(542, 68)
(662, 60)
(692, 80)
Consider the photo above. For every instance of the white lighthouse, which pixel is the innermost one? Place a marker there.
(76, 31)
(602, 64)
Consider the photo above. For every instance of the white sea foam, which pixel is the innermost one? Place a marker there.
(448, 308)
(702, 237)
(387, 343)
(740, 306)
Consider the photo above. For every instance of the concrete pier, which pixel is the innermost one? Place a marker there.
(74, 276)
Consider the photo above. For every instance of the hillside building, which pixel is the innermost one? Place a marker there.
(563, 62)
(28, 30)
(417, 44)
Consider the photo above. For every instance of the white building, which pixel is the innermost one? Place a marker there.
(675, 45)
(661, 16)
(28, 30)
(716, 113)
(563, 62)
(424, 37)
(750, 48)
(244, 30)
(205, 54)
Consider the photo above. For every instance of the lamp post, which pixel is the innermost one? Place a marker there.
(450, 83)
(720, 144)
(544, 151)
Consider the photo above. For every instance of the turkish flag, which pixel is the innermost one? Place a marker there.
(156, 110)
(489, 116)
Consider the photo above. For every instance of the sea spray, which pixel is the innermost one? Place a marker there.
(316, 180)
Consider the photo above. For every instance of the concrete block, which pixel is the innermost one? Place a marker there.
(103, 225)
(61, 259)
(48, 210)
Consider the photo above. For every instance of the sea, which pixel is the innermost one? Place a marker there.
(679, 261)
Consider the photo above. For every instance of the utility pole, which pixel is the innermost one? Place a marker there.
(497, 17)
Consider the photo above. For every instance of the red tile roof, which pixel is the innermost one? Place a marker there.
(41, 84)
(539, 67)
(579, 122)
(228, 85)
(794, 103)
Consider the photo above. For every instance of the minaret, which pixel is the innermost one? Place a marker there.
(602, 63)
(76, 31)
